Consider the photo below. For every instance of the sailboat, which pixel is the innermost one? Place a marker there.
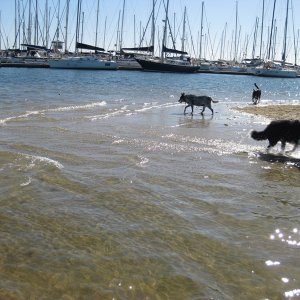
(271, 68)
(181, 64)
(82, 62)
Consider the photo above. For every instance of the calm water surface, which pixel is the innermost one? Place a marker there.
(108, 191)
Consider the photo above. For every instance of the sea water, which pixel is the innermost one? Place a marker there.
(108, 191)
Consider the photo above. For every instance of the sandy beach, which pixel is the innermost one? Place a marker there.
(274, 112)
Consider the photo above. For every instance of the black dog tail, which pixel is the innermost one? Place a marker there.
(258, 135)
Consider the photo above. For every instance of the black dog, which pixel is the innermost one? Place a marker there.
(285, 131)
(256, 94)
(192, 100)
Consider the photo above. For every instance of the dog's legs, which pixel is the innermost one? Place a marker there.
(294, 148)
(272, 143)
(185, 109)
(212, 111)
(192, 106)
(283, 146)
(203, 110)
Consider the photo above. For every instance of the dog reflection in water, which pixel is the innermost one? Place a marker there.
(284, 131)
(192, 100)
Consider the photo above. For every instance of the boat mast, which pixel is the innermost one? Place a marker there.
(270, 43)
(153, 26)
(96, 38)
(223, 36)
(46, 24)
(77, 24)
(255, 37)
(29, 23)
(15, 43)
(262, 28)
(285, 34)
(17, 24)
(82, 27)
(118, 33)
(296, 46)
(20, 21)
(122, 26)
(235, 37)
(294, 35)
(36, 24)
(104, 35)
(134, 39)
(58, 22)
(0, 32)
(201, 31)
(165, 31)
(183, 30)
(67, 25)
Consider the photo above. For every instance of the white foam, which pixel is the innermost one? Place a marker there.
(76, 107)
(106, 116)
(272, 263)
(44, 159)
(154, 105)
(292, 293)
(25, 115)
(143, 161)
(58, 109)
(26, 182)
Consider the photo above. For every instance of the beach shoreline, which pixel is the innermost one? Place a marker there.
(273, 112)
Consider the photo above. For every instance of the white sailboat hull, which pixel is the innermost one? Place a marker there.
(283, 73)
(88, 63)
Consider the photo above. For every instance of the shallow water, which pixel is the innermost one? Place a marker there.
(109, 192)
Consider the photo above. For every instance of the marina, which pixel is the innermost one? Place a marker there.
(158, 48)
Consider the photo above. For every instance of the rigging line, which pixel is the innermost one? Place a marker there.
(178, 27)
(60, 19)
(23, 18)
(168, 23)
(144, 33)
(208, 33)
(192, 42)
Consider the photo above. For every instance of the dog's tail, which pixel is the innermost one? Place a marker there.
(214, 101)
(258, 135)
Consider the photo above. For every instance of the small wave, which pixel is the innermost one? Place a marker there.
(34, 159)
(107, 115)
(58, 109)
(154, 105)
(76, 107)
(26, 182)
(292, 293)
(25, 115)
(128, 112)
(143, 161)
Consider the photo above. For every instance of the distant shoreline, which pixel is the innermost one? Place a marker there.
(273, 112)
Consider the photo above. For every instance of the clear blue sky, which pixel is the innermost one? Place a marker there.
(217, 13)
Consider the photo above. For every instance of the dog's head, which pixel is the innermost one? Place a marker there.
(182, 98)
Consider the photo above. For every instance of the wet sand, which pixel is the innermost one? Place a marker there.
(273, 112)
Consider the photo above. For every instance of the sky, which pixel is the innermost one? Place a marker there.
(222, 36)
